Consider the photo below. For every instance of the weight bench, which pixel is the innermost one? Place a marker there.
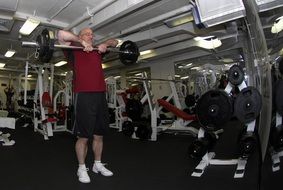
(184, 118)
(179, 113)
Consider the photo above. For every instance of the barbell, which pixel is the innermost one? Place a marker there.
(45, 45)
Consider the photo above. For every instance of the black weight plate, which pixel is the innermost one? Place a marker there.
(280, 64)
(131, 57)
(134, 109)
(49, 54)
(198, 148)
(278, 97)
(143, 131)
(48, 46)
(276, 137)
(236, 75)
(247, 144)
(213, 109)
(190, 100)
(128, 128)
(41, 41)
(248, 104)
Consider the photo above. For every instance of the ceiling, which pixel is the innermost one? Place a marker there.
(145, 22)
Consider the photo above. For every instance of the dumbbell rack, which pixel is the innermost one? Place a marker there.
(276, 155)
(208, 158)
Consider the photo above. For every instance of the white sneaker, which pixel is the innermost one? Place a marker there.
(100, 168)
(83, 176)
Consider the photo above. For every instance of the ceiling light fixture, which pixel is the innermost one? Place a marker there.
(179, 20)
(10, 53)
(2, 65)
(226, 60)
(60, 63)
(29, 26)
(277, 26)
(145, 52)
(210, 42)
(185, 77)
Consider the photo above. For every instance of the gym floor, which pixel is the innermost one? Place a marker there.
(35, 164)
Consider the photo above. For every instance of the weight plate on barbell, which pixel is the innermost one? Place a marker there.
(131, 53)
(48, 46)
(42, 45)
(213, 109)
(280, 64)
(248, 104)
(236, 75)
(278, 96)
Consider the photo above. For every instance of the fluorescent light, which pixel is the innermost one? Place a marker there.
(189, 64)
(2, 65)
(145, 52)
(138, 74)
(60, 63)
(64, 74)
(210, 42)
(196, 68)
(10, 53)
(277, 26)
(198, 38)
(177, 76)
(104, 66)
(177, 21)
(117, 77)
(226, 60)
(29, 26)
(183, 78)
(120, 42)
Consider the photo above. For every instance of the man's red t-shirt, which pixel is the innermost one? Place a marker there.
(88, 72)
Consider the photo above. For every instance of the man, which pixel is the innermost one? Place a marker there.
(91, 111)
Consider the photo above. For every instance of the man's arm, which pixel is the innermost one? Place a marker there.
(111, 43)
(67, 37)
(108, 43)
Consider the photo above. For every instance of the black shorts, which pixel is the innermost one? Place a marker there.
(91, 114)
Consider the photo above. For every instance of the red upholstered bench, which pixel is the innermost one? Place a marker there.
(175, 110)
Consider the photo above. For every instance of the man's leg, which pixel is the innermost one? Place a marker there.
(81, 152)
(97, 146)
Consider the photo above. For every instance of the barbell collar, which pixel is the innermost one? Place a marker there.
(30, 44)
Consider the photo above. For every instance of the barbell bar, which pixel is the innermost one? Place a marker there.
(35, 44)
(128, 52)
(150, 79)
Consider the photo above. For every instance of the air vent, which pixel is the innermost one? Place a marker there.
(7, 11)
(265, 5)
(6, 25)
(210, 13)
